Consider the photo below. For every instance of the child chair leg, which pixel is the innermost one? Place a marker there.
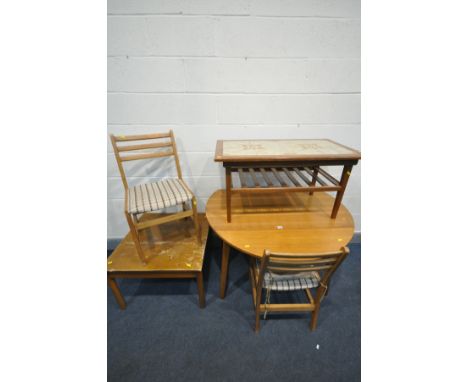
(195, 219)
(135, 237)
(313, 321)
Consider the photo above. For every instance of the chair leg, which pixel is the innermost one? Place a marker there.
(258, 302)
(185, 207)
(201, 291)
(313, 321)
(257, 321)
(135, 237)
(195, 219)
(224, 270)
(149, 234)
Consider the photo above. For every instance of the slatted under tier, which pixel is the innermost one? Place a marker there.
(285, 178)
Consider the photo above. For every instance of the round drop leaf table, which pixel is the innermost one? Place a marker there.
(279, 222)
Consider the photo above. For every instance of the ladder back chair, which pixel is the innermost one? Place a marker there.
(154, 196)
(281, 272)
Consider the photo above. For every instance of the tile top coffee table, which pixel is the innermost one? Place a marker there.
(285, 166)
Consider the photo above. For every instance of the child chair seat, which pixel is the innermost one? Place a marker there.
(157, 195)
(290, 281)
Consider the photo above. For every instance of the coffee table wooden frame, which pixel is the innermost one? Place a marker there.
(112, 276)
(179, 255)
(279, 173)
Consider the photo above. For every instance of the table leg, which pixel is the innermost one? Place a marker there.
(116, 292)
(339, 195)
(228, 193)
(201, 291)
(224, 270)
(314, 180)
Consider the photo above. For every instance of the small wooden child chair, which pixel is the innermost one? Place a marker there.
(291, 272)
(155, 196)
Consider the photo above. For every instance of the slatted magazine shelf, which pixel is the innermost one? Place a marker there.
(292, 179)
(285, 166)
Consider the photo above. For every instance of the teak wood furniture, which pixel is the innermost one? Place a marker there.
(271, 166)
(176, 254)
(280, 222)
(290, 272)
(155, 196)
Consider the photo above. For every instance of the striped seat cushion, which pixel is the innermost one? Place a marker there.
(291, 281)
(158, 195)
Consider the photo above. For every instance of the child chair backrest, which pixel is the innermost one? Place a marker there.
(160, 145)
(324, 263)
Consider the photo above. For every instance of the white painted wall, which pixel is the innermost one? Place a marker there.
(224, 69)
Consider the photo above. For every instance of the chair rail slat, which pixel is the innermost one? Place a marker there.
(146, 156)
(300, 255)
(144, 146)
(302, 261)
(298, 269)
(142, 137)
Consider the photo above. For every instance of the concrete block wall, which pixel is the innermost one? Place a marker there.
(223, 69)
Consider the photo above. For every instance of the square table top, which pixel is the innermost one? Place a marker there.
(284, 149)
(169, 247)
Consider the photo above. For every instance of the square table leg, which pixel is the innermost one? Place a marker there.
(224, 270)
(201, 291)
(116, 292)
(343, 183)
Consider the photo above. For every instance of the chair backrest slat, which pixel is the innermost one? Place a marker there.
(298, 269)
(146, 156)
(304, 261)
(142, 137)
(302, 255)
(144, 146)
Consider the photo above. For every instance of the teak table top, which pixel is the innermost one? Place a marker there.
(283, 150)
(174, 247)
(280, 222)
